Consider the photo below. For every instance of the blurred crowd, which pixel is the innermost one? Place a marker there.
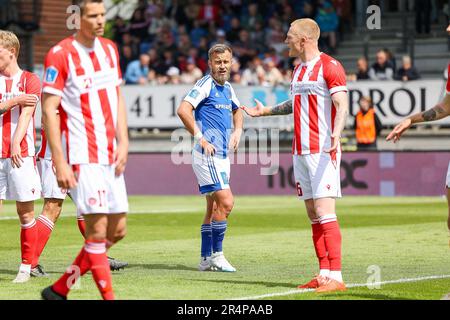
(166, 42)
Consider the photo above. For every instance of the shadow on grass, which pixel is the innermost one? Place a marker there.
(260, 283)
(11, 272)
(161, 266)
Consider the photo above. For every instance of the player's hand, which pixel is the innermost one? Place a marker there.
(398, 130)
(16, 157)
(334, 144)
(256, 111)
(235, 139)
(207, 147)
(27, 100)
(65, 176)
(120, 158)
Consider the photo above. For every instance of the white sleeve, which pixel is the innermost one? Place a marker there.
(197, 95)
(235, 104)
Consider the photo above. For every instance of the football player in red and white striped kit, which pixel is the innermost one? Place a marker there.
(82, 80)
(320, 106)
(20, 91)
(54, 197)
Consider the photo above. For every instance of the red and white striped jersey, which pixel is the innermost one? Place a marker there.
(313, 84)
(88, 80)
(23, 82)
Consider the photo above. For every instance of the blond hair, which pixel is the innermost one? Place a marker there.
(306, 27)
(9, 40)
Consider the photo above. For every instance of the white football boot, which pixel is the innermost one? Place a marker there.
(22, 277)
(205, 264)
(219, 262)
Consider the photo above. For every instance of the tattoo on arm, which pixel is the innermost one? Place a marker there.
(282, 108)
(433, 114)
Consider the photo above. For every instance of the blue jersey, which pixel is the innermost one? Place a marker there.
(213, 105)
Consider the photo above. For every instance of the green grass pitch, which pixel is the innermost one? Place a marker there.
(268, 241)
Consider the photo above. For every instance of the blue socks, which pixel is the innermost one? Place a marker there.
(206, 240)
(218, 233)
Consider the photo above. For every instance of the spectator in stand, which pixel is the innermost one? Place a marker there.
(391, 58)
(184, 44)
(367, 125)
(197, 33)
(126, 56)
(244, 49)
(235, 74)
(382, 69)
(328, 22)
(363, 70)
(209, 12)
(272, 76)
(309, 10)
(159, 22)
(220, 38)
(407, 72)
(275, 35)
(249, 20)
(132, 42)
(137, 70)
(173, 75)
(192, 73)
(175, 12)
(254, 74)
(138, 26)
(233, 33)
(344, 12)
(201, 63)
(119, 29)
(192, 11)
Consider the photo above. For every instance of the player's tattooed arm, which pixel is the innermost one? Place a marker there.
(281, 109)
(440, 111)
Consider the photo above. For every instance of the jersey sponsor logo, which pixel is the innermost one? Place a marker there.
(223, 106)
(194, 93)
(51, 74)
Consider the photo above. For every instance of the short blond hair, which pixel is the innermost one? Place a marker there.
(9, 40)
(306, 27)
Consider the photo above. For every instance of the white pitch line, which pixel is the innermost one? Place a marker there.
(68, 215)
(355, 285)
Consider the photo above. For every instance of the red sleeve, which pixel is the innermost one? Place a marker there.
(334, 75)
(448, 79)
(33, 85)
(56, 71)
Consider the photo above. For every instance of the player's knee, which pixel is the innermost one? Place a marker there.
(227, 207)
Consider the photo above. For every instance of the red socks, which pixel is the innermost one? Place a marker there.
(332, 239)
(28, 239)
(319, 245)
(44, 230)
(91, 257)
(96, 253)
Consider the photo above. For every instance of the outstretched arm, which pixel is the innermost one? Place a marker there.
(260, 110)
(439, 111)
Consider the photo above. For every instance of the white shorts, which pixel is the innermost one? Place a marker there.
(213, 173)
(447, 181)
(317, 175)
(50, 188)
(20, 184)
(99, 191)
